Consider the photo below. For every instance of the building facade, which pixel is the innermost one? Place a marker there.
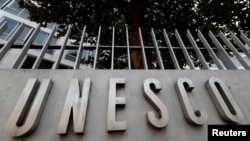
(12, 16)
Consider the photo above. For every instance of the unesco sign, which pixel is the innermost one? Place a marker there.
(122, 105)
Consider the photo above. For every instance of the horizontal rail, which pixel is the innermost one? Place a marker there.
(91, 47)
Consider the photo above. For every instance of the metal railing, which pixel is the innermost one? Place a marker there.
(222, 52)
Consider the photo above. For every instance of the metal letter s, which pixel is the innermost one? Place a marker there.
(156, 102)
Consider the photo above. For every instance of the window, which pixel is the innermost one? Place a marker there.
(54, 41)
(16, 10)
(61, 66)
(71, 55)
(24, 35)
(29, 62)
(45, 64)
(50, 25)
(11, 27)
(3, 2)
(3, 26)
(41, 38)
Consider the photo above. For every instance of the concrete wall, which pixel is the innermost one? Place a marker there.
(134, 112)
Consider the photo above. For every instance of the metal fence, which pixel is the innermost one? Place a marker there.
(203, 52)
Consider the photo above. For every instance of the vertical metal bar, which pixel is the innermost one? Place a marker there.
(43, 51)
(210, 51)
(232, 48)
(184, 50)
(197, 50)
(79, 53)
(143, 50)
(244, 38)
(157, 49)
(223, 54)
(113, 49)
(12, 39)
(3, 27)
(240, 44)
(171, 51)
(57, 63)
(26, 47)
(97, 47)
(128, 49)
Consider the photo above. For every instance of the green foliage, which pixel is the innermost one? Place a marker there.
(225, 15)
(205, 15)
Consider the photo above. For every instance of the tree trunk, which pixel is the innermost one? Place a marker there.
(137, 14)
